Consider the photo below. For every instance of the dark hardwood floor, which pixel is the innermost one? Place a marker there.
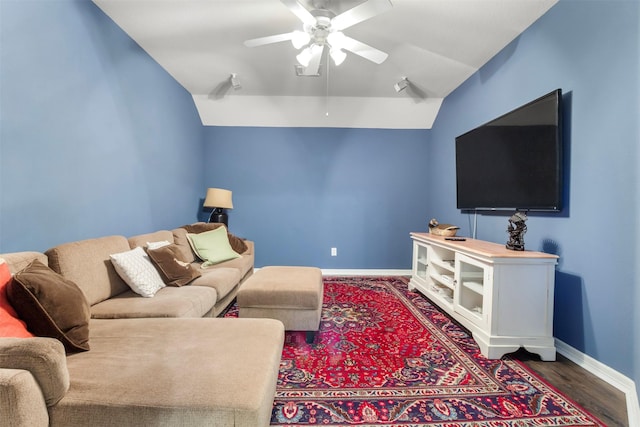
(593, 394)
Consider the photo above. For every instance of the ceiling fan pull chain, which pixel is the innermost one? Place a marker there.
(327, 90)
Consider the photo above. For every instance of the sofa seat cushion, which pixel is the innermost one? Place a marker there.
(187, 301)
(168, 372)
(244, 264)
(223, 280)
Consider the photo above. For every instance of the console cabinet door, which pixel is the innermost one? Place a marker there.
(473, 290)
(420, 263)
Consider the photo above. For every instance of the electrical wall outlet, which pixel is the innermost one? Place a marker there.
(334, 251)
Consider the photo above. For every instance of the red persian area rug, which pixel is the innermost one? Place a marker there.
(386, 356)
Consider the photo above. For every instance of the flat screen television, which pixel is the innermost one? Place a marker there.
(515, 161)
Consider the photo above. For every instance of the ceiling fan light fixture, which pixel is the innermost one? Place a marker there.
(336, 39)
(338, 55)
(304, 57)
(323, 28)
(300, 39)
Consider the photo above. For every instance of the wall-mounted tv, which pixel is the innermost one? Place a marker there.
(515, 161)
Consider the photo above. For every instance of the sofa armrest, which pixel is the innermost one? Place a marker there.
(19, 260)
(21, 400)
(43, 358)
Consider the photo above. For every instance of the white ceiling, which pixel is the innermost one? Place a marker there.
(436, 44)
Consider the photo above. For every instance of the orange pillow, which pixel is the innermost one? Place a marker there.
(10, 324)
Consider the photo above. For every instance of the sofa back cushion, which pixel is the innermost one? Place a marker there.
(88, 264)
(237, 244)
(141, 240)
(212, 247)
(184, 247)
(137, 270)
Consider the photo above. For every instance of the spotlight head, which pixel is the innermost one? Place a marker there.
(235, 82)
(401, 85)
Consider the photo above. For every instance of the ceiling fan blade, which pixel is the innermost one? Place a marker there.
(360, 13)
(297, 9)
(364, 50)
(313, 69)
(260, 41)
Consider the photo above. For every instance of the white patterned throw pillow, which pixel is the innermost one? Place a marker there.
(137, 270)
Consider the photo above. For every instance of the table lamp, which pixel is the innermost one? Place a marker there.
(219, 200)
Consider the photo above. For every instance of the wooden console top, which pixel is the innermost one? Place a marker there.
(481, 247)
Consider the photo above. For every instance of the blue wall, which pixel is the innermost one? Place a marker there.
(298, 192)
(592, 51)
(95, 138)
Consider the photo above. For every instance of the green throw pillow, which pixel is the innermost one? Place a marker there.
(213, 246)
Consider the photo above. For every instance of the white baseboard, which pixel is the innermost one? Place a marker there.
(607, 374)
(362, 272)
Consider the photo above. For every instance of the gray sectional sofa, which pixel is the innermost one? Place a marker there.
(160, 361)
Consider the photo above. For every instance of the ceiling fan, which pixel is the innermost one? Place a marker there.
(323, 28)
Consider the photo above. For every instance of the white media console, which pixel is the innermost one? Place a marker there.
(504, 297)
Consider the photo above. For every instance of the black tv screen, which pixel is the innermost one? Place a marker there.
(515, 161)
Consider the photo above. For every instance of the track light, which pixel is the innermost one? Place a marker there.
(401, 85)
(235, 82)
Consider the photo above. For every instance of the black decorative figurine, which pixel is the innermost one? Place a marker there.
(516, 230)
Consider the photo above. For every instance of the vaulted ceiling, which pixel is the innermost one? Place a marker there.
(435, 44)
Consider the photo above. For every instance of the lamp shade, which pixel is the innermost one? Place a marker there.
(218, 198)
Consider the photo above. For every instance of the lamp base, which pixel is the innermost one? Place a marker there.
(219, 216)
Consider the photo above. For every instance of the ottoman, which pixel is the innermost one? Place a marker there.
(292, 295)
